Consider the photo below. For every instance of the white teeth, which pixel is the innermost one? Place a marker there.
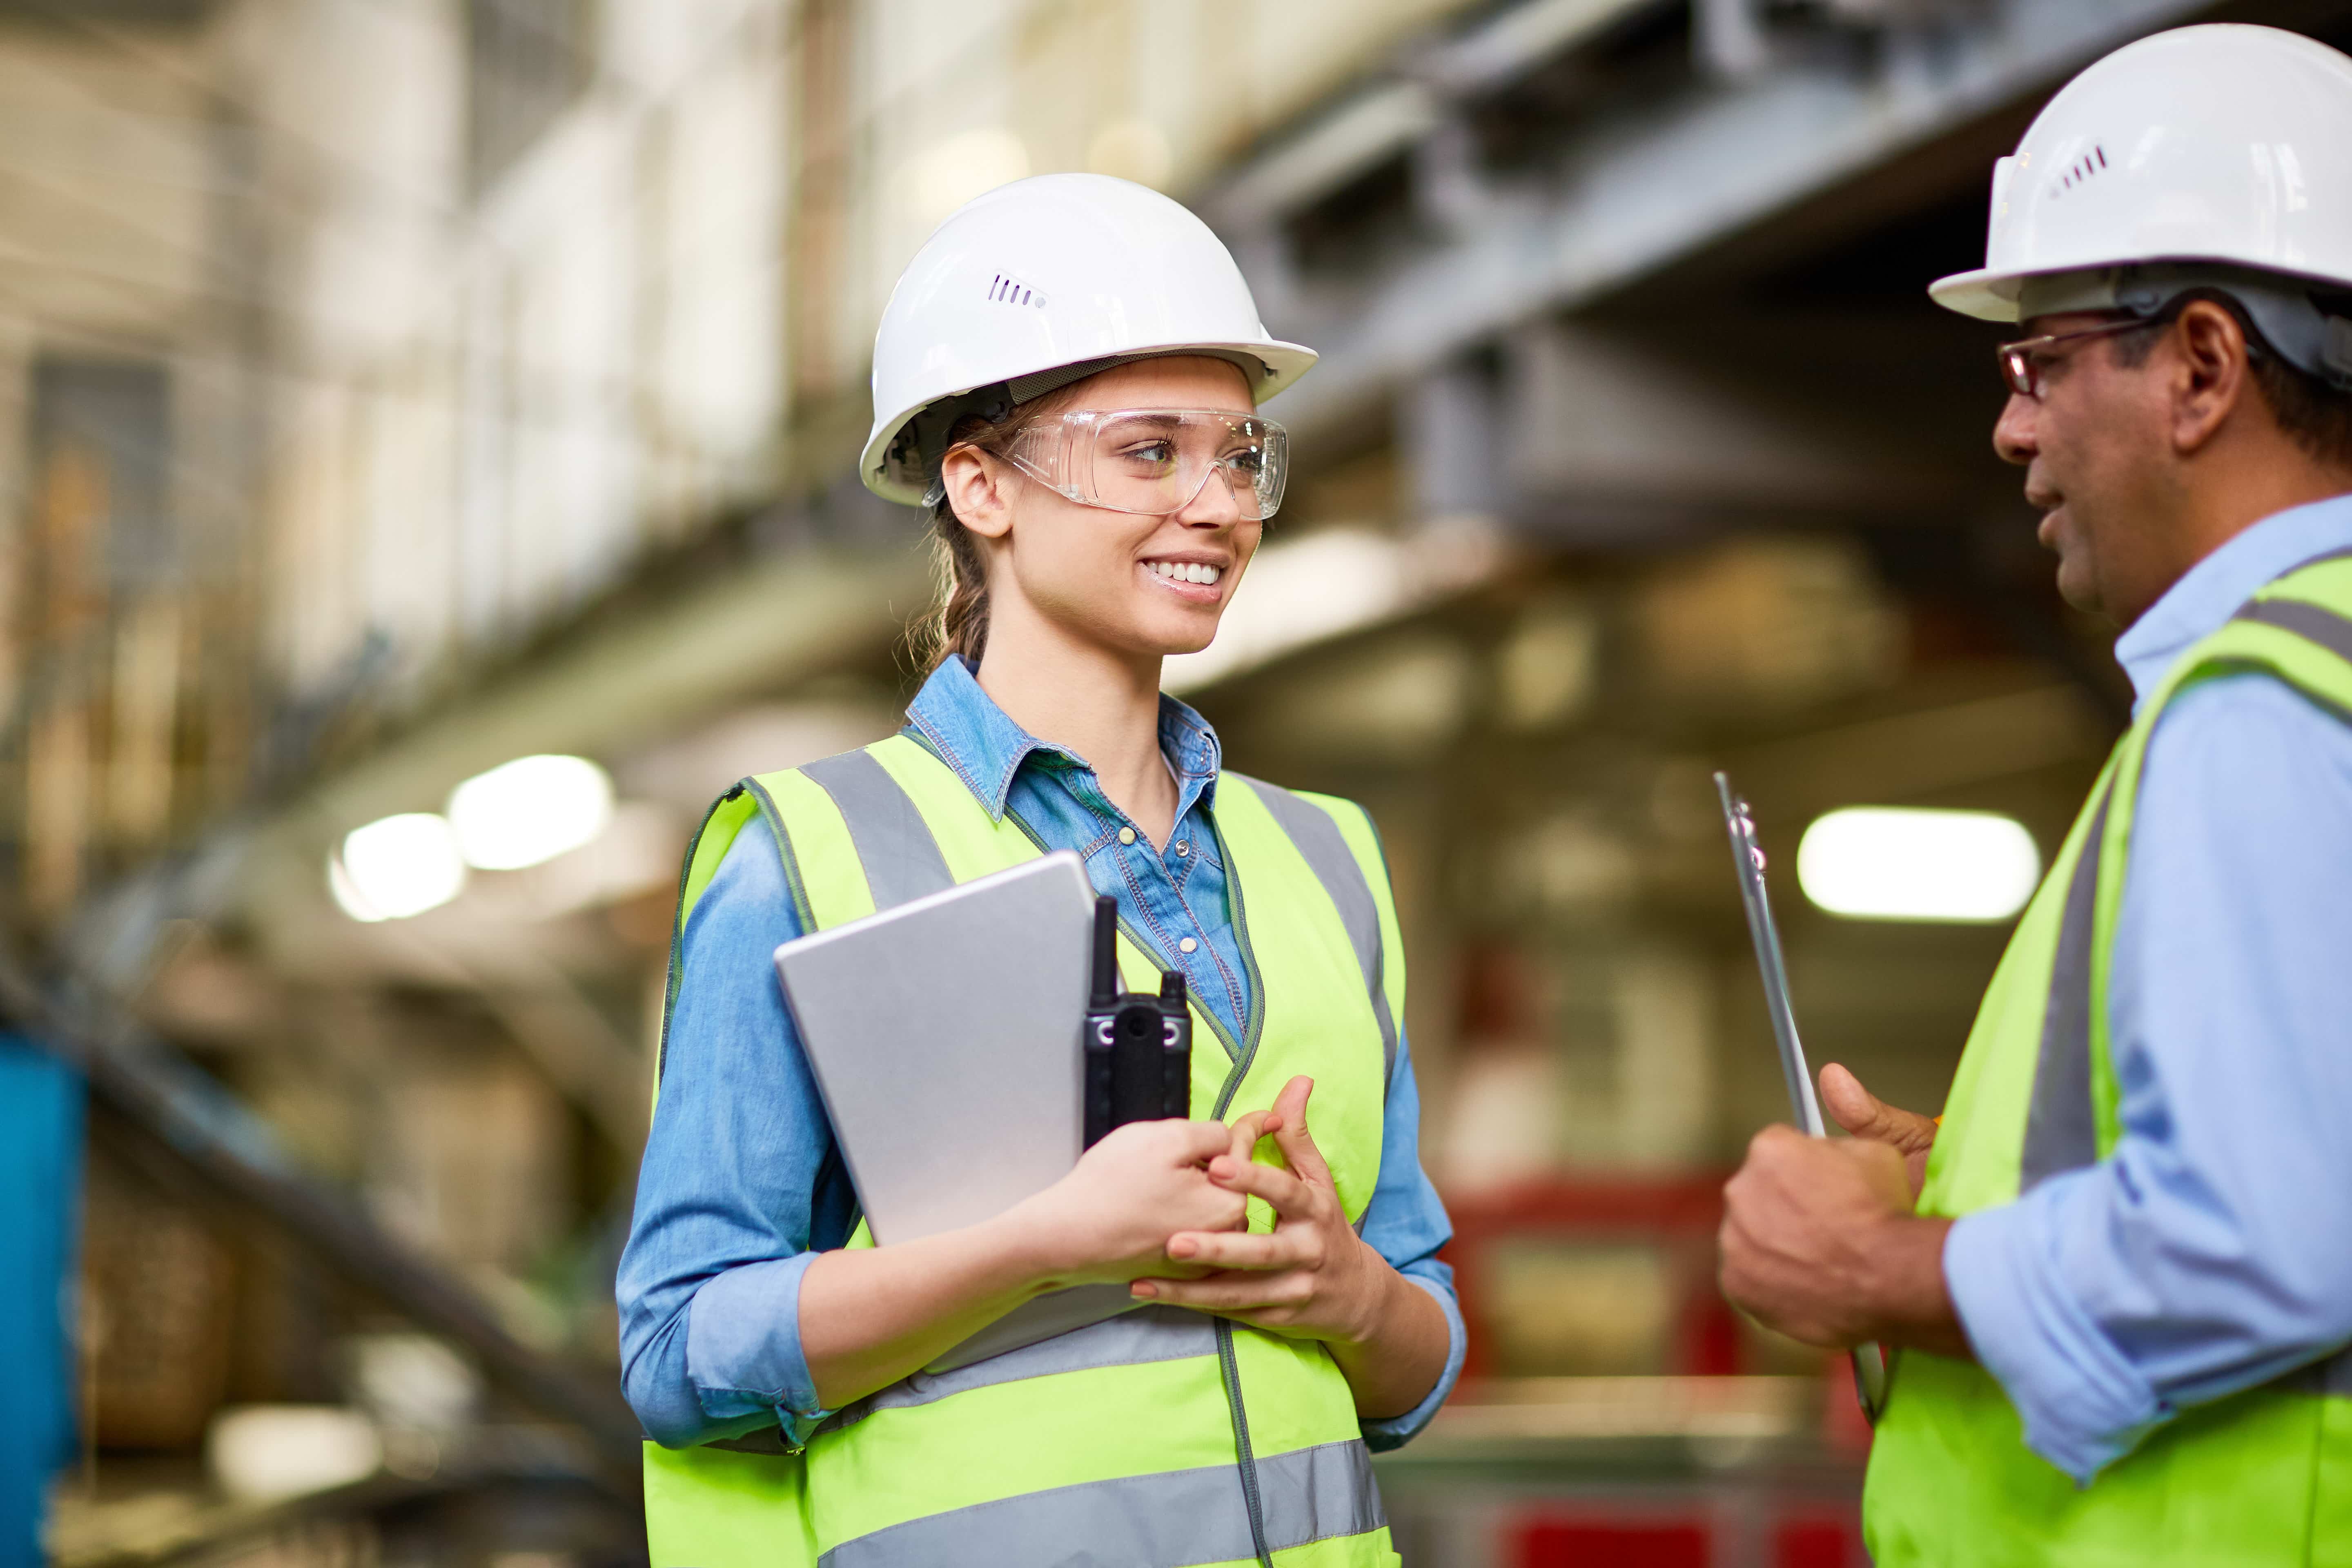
(1186, 571)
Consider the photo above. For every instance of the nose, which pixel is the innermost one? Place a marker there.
(1215, 505)
(2013, 435)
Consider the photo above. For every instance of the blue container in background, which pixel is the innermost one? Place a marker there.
(40, 1206)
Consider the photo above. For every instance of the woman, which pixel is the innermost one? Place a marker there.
(1068, 376)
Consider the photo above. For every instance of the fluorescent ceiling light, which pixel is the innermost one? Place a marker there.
(265, 1453)
(1899, 863)
(346, 893)
(396, 866)
(529, 810)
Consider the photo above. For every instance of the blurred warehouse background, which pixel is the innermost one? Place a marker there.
(393, 390)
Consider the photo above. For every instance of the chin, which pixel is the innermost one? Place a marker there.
(2079, 586)
(1168, 639)
(1172, 648)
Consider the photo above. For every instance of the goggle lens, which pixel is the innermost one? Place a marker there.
(1158, 461)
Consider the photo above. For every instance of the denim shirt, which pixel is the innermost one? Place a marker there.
(742, 1183)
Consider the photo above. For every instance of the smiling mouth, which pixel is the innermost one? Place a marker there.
(1194, 571)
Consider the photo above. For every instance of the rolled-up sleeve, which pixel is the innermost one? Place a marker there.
(1405, 1223)
(2213, 1250)
(732, 1188)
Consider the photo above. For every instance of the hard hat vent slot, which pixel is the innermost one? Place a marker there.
(1004, 290)
(2093, 162)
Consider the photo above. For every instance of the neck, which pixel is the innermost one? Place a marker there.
(1102, 704)
(2241, 483)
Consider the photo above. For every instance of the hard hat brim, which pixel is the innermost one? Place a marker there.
(1284, 363)
(1986, 293)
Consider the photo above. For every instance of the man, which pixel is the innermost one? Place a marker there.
(2118, 1276)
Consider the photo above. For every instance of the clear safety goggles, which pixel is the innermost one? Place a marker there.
(1156, 461)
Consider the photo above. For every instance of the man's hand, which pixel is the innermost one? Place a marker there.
(1818, 1242)
(1865, 1115)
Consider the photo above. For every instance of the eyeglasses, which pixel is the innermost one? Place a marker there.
(2022, 361)
(1156, 461)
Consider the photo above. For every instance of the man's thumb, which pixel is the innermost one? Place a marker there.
(1865, 1115)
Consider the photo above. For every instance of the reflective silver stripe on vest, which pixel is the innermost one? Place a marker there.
(2062, 1130)
(1325, 849)
(2330, 1375)
(894, 844)
(1166, 1520)
(2325, 628)
(1131, 1338)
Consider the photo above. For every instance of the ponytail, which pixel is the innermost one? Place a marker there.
(960, 625)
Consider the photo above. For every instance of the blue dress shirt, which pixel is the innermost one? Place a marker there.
(742, 1183)
(2213, 1250)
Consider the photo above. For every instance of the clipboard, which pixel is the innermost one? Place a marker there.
(1869, 1358)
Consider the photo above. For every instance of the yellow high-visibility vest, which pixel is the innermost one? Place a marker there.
(1163, 1438)
(2261, 1477)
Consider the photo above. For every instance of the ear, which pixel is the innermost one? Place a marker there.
(980, 486)
(2212, 375)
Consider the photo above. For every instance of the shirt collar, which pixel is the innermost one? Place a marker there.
(2211, 592)
(975, 737)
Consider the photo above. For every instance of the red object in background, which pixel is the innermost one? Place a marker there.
(1679, 1216)
(1610, 1544)
(1814, 1543)
(1818, 1541)
(1844, 1429)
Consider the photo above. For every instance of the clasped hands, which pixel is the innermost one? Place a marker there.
(1819, 1238)
(1311, 1277)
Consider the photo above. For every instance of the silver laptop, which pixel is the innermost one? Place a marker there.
(943, 1034)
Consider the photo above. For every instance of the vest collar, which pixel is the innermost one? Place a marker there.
(2211, 592)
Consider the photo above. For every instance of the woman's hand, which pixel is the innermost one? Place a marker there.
(1111, 1217)
(870, 1315)
(1311, 1277)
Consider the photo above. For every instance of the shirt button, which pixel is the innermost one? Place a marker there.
(1184, 848)
(1127, 836)
(1186, 945)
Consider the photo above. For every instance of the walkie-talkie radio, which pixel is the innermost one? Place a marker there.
(1139, 1048)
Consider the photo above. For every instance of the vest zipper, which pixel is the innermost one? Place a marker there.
(1254, 1025)
(1230, 1368)
(1242, 1052)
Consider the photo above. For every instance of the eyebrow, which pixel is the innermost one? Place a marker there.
(1151, 418)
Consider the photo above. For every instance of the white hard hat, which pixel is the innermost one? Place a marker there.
(2224, 146)
(1038, 283)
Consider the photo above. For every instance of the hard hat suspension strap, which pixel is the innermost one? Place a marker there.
(2308, 326)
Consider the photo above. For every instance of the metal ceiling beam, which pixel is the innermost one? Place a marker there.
(1634, 192)
(1381, 121)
